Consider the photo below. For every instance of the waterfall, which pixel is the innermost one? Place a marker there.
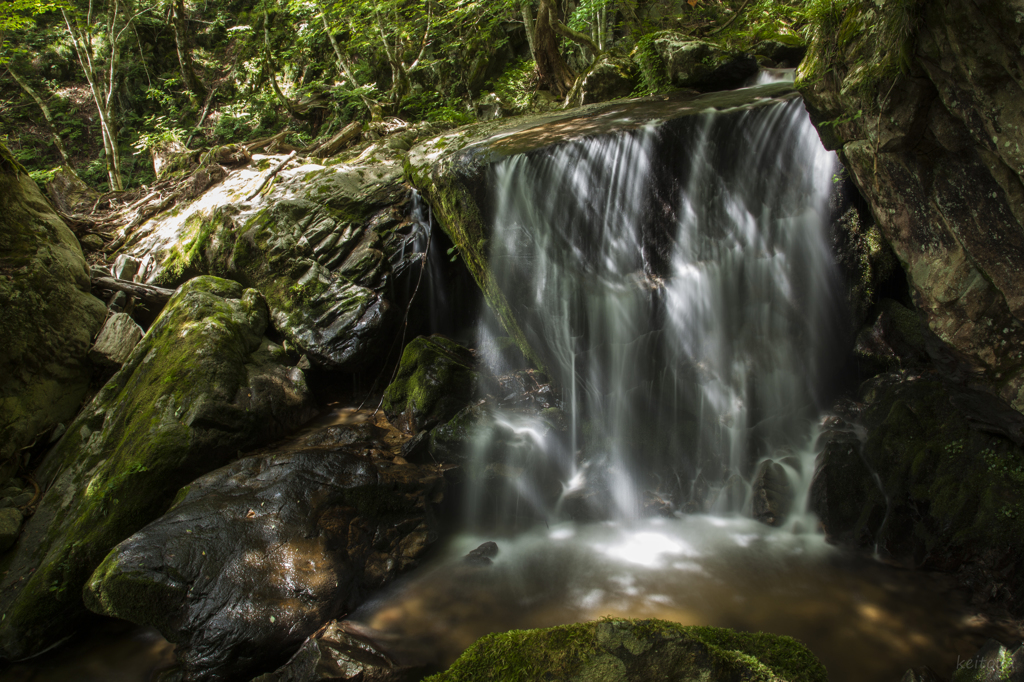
(677, 280)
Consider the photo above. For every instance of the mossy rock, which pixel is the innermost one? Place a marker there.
(49, 316)
(614, 650)
(191, 396)
(684, 62)
(436, 379)
(319, 243)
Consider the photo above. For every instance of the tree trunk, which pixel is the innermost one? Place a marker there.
(184, 43)
(554, 72)
(46, 113)
(524, 5)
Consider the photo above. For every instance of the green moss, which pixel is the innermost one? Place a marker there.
(617, 649)
(435, 379)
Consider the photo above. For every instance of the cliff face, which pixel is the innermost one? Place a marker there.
(925, 104)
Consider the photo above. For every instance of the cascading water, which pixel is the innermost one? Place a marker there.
(677, 280)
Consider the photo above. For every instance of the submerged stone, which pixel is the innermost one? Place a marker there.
(337, 655)
(192, 395)
(256, 556)
(49, 316)
(616, 650)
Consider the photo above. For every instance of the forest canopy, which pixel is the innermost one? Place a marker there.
(98, 85)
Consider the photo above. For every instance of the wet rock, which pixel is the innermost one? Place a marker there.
(189, 399)
(993, 663)
(616, 650)
(482, 555)
(117, 339)
(320, 244)
(772, 494)
(49, 316)
(940, 161)
(255, 556)
(609, 78)
(10, 526)
(436, 379)
(929, 474)
(688, 63)
(336, 655)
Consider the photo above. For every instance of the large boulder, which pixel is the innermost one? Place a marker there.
(322, 243)
(202, 386)
(925, 104)
(930, 474)
(49, 316)
(256, 556)
(617, 650)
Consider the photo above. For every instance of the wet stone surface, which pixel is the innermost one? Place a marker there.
(256, 556)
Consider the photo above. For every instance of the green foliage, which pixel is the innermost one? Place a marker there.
(515, 88)
(653, 74)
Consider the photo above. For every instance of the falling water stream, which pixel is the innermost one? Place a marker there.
(678, 282)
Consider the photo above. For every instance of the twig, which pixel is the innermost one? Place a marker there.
(405, 325)
(273, 171)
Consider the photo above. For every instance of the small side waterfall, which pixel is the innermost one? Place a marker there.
(677, 280)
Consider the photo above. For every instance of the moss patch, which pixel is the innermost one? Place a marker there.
(617, 649)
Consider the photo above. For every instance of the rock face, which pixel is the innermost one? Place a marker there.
(938, 152)
(323, 245)
(930, 474)
(436, 379)
(49, 316)
(256, 556)
(198, 389)
(617, 650)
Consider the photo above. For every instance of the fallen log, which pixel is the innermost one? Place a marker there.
(273, 171)
(348, 134)
(153, 297)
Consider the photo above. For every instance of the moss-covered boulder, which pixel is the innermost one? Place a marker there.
(202, 386)
(436, 378)
(616, 650)
(679, 60)
(925, 104)
(930, 474)
(322, 243)
(255, 556)
(49, 316)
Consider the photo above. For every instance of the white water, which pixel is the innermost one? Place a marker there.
(678, 282)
